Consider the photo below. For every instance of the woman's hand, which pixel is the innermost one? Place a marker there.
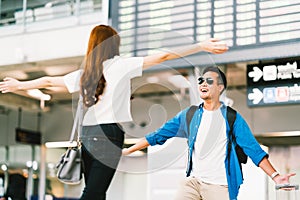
(9, 85)
(214, 45)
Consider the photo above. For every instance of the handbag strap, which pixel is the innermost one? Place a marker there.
(77, 124)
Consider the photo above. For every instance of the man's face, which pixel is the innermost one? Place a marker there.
(211, 87)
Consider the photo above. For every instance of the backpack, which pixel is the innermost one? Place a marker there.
(231, 115)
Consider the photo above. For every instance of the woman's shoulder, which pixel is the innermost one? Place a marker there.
(126, 62)
(123, 59)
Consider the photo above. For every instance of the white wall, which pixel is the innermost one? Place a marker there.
(49, 39)
(44, 45)
(255, 182)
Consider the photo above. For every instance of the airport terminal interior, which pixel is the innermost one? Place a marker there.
(49, 38)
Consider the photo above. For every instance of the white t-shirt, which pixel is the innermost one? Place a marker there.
(210, 149)
(114, 104)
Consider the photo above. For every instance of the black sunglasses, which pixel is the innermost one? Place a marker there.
(209, 80)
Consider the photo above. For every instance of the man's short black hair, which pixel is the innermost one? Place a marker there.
(222, 76)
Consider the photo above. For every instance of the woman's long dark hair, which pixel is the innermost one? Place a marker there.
(104, 43)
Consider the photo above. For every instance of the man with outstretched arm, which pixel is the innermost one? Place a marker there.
(213, 172)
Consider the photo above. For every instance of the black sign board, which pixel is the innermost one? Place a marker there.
(273, 83)
(28, 136)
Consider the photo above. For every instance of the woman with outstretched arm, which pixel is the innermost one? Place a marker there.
(104, 84)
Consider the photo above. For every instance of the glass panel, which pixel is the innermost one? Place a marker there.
(20, 153)
(156, 17)
(246, 24)
(274, 4)
(204, 6)
(245, 1)
(224, 35)
(179, 16)
(204, 30)
(246, 16)
(280, 36)
(245, 8)
(2, 154)
(223, 3)
(280, 27)
(223, 27)
(280, 11)
(279, 19)
(223, 19)
(246, 41)
(246, 32)
(203, 36)
(224, 11)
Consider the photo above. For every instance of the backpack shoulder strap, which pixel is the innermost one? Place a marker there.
(231, 115)
(189, 115)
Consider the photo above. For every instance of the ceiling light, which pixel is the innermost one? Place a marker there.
(48, 5)
(35, 165)
(29, 164)
(61, 144)
(4, 167)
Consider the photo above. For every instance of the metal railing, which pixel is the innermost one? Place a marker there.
(48, 11)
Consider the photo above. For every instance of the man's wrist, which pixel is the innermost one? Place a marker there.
(274, 174)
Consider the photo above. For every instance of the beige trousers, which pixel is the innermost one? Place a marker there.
(193, 189)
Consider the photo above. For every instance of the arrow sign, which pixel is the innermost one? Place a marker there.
(256, 96)
(256, 74)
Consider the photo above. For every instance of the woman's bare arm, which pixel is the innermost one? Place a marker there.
(211, 45)
(11, 85)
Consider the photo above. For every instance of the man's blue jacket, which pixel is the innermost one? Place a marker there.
(177, 127)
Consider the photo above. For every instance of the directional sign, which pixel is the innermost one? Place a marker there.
(28, 136)
(255, 96)
(256, 74)
(273, 95)
(273, 83)
(273, 73)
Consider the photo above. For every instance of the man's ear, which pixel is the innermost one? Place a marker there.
(221, 88)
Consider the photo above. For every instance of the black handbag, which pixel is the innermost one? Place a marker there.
(70, 166)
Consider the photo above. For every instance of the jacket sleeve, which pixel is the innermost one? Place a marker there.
(246, 140)
(175, 127)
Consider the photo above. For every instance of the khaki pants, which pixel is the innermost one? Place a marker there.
(193, 189)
